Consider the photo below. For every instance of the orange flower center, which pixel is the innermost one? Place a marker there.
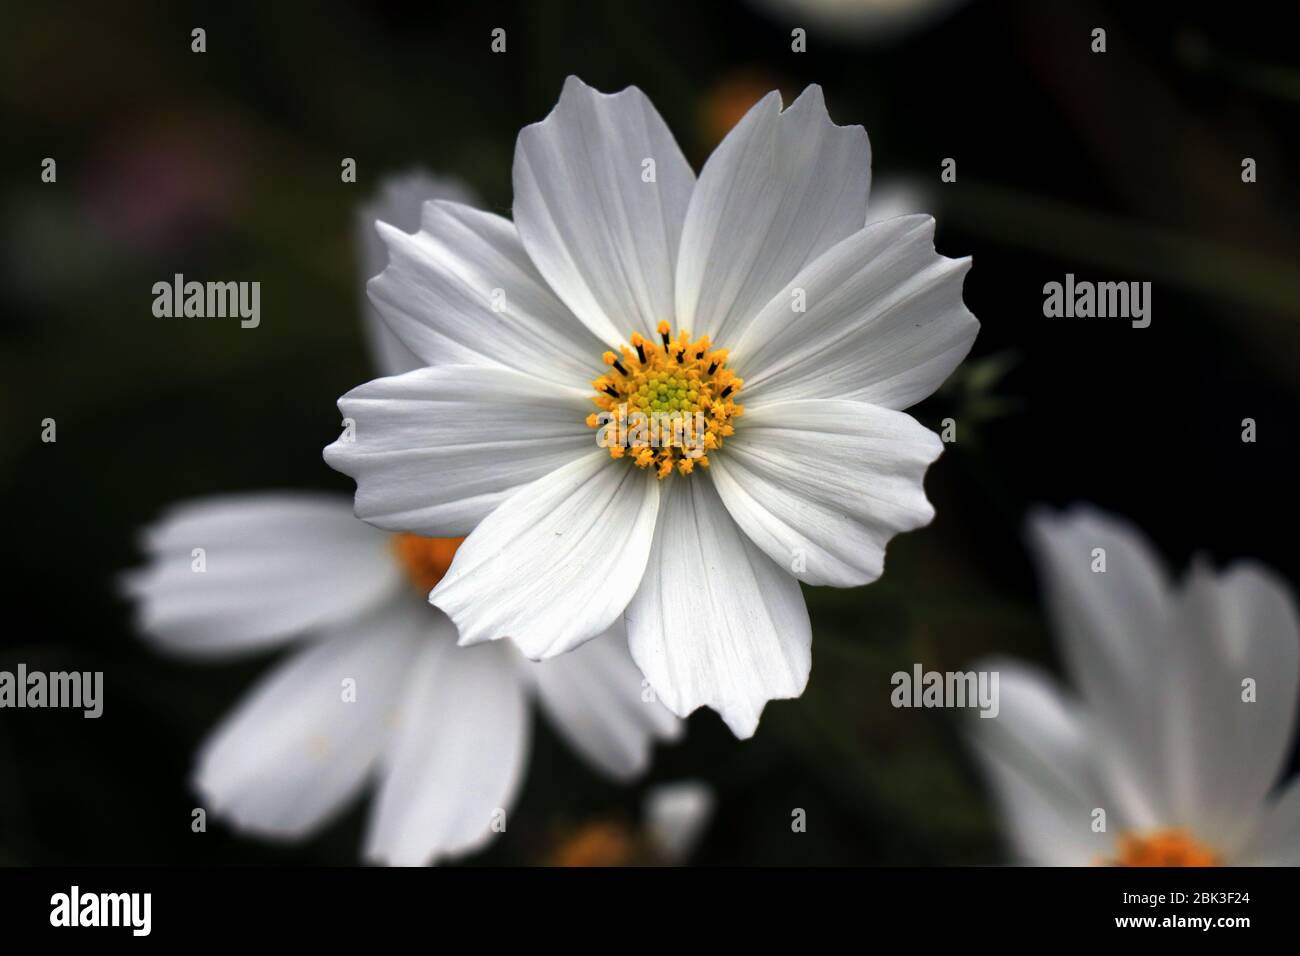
(666, 405)
(424, 560)
(1163, 848)
(602, 843)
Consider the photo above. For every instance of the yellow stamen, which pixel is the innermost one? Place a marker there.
(1163, 848)
(666, 402)
(425, 560)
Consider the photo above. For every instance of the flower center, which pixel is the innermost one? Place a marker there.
(602, 843)
(1163, 848)
(424, 560)
(666, 404)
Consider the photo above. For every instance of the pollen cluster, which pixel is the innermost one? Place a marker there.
(1163, 848)
(666, 405)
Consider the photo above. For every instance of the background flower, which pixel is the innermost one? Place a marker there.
(1181, 718)
(860, 20)
(444, 730)
(379, 689)
(674, 817)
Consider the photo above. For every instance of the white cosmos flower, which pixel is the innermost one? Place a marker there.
(1155, 731)
(442, 730)
(615, 252)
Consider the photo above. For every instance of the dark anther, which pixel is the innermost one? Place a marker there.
(640, 353)
(725, 392)
(611, 391)
(619, 365)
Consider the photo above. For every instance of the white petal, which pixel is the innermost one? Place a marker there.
(1225, 754)
(715, 622)
(1113, 627)
(435, 450)
(821, 486)
(781, 189)
(462, 291)
(676, 816)
(556, 564)
(595, 698)
(296, 751)
(398, 203)
(604, 238)
(275, 565)
(1275, 840)
(1036, 753)
(457, 757)
(883, 323)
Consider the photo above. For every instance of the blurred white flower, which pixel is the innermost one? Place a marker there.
(862, 19)
(378, 688)
(676, 816)
(673, 818)
(1181, 716)
(898, 197)
(836, 326)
